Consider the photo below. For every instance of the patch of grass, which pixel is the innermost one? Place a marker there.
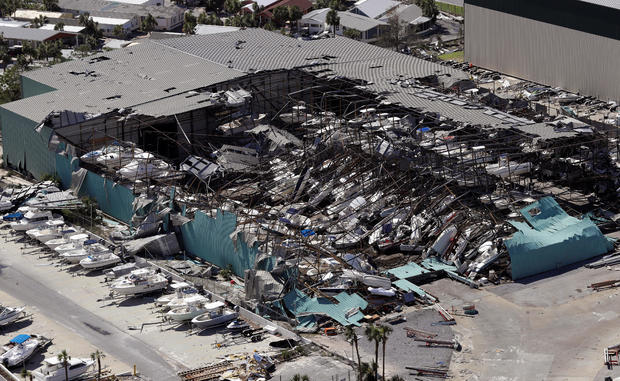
(450, 8)
(454, 56)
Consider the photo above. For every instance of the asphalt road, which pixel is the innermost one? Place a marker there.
(100, 333)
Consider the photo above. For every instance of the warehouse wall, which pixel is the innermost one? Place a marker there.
(543, 52)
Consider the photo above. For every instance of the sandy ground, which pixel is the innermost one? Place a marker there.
(136, 316)
(549, 328)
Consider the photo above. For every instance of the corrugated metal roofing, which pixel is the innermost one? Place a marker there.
(125, 78)
(604, 3)
(407, 271)
(346, 312)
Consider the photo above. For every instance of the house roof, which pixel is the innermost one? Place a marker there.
(104, 8)
(66, 28)
(347, 19)
(375, 8)
(303, 5)
(28, 34)
(405, 13)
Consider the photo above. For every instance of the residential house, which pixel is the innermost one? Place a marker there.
(370, 29)
(374, 9)
(411, 17)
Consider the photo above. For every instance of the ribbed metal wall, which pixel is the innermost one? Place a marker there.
(543, 53)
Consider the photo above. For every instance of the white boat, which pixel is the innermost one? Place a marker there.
(19, 349)
(32, 219)
(76, 241)
(145, 168)
(140, 281)
(183, 293)
(116, 156)
(50, 230)
(217, 314)
(53, 369)
(382, 291)
(5, 205)
(195, 306)
(76, 255)
(10, 314)
(99, 261)
(237, 325)
(505, 168)
(64, 238)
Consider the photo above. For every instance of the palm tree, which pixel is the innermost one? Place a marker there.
(149, 23)
(299, 377)
(384, 332)
(189, 23)
(59, 26)
(373, 333)
(98, 355)
(368, 372)
(294, 15)
(351, 335)
(64, 358)
(333, 19)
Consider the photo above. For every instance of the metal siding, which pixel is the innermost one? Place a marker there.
(543, 53)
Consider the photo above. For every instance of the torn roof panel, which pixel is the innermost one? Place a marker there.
(346, 312)
(407, 271)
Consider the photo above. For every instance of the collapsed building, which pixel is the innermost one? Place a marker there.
(331, 175)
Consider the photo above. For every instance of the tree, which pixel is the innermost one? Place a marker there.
(429, 8)
(50, 5)
(189, 23)
(353, 34)
(280, 15)
(98, 355)
(333, 19)
(351, 335)
(299, 377)
(10, 85)
(5, 57)
(91, 28)
(384, 332)
(8, 7)
(39, 21)
(64, 358)
(59, 26)
(294, 15)
(396, 378)
(232, 6)
(320, 4)
(149, 23)
(368, 371)
(373, 333)
(394, 33)
(119, 31)
(269, 26)
(203, 18)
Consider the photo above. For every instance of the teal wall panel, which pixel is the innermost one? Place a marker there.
(23, 147)
(209, 239)
(30, 88)
(113, 199)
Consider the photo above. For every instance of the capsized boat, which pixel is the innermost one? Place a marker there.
(140, 281)
(99, 261)
(20, 348)
(54, 370)
(217, 314)
(10, 314)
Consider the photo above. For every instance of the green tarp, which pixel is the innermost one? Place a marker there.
(552, 239)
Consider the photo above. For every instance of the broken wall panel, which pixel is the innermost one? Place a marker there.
(210, 239)
(553, 240)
